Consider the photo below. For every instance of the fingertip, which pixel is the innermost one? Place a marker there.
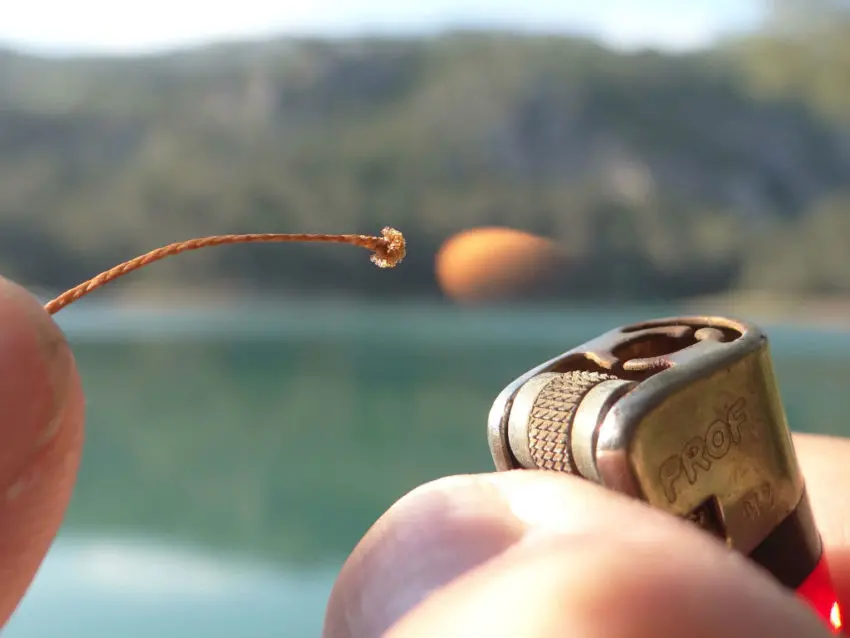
(446, 528)
(502, 548)
(41, 435)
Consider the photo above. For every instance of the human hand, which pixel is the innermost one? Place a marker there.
(532, 555)
(41, 428)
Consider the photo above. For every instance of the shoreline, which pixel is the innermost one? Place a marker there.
(809, 310)
(804, 310)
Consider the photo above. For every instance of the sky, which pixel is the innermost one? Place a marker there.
(133, 26)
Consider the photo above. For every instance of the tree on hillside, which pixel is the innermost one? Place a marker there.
(803, 51)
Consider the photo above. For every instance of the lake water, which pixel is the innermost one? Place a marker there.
(235, 457)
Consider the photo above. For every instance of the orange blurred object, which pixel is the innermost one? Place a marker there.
(491, 264)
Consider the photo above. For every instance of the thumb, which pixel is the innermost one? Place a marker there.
(538, 555)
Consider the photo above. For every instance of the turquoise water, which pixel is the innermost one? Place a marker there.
(235, 457)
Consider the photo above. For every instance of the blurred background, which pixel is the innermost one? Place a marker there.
(559, 168)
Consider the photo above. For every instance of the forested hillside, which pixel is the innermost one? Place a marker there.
(664, 175)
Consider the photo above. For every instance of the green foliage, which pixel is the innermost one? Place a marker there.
(658, 172)
(803, 53)
(809, 255)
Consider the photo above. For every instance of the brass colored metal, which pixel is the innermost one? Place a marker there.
(732, 450)
(683, 413)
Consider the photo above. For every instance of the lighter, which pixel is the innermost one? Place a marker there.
(685, 414)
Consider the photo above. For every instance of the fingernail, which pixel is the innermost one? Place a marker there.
(537, 503)
(60, 362)
(549, 504)
(436, 534)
